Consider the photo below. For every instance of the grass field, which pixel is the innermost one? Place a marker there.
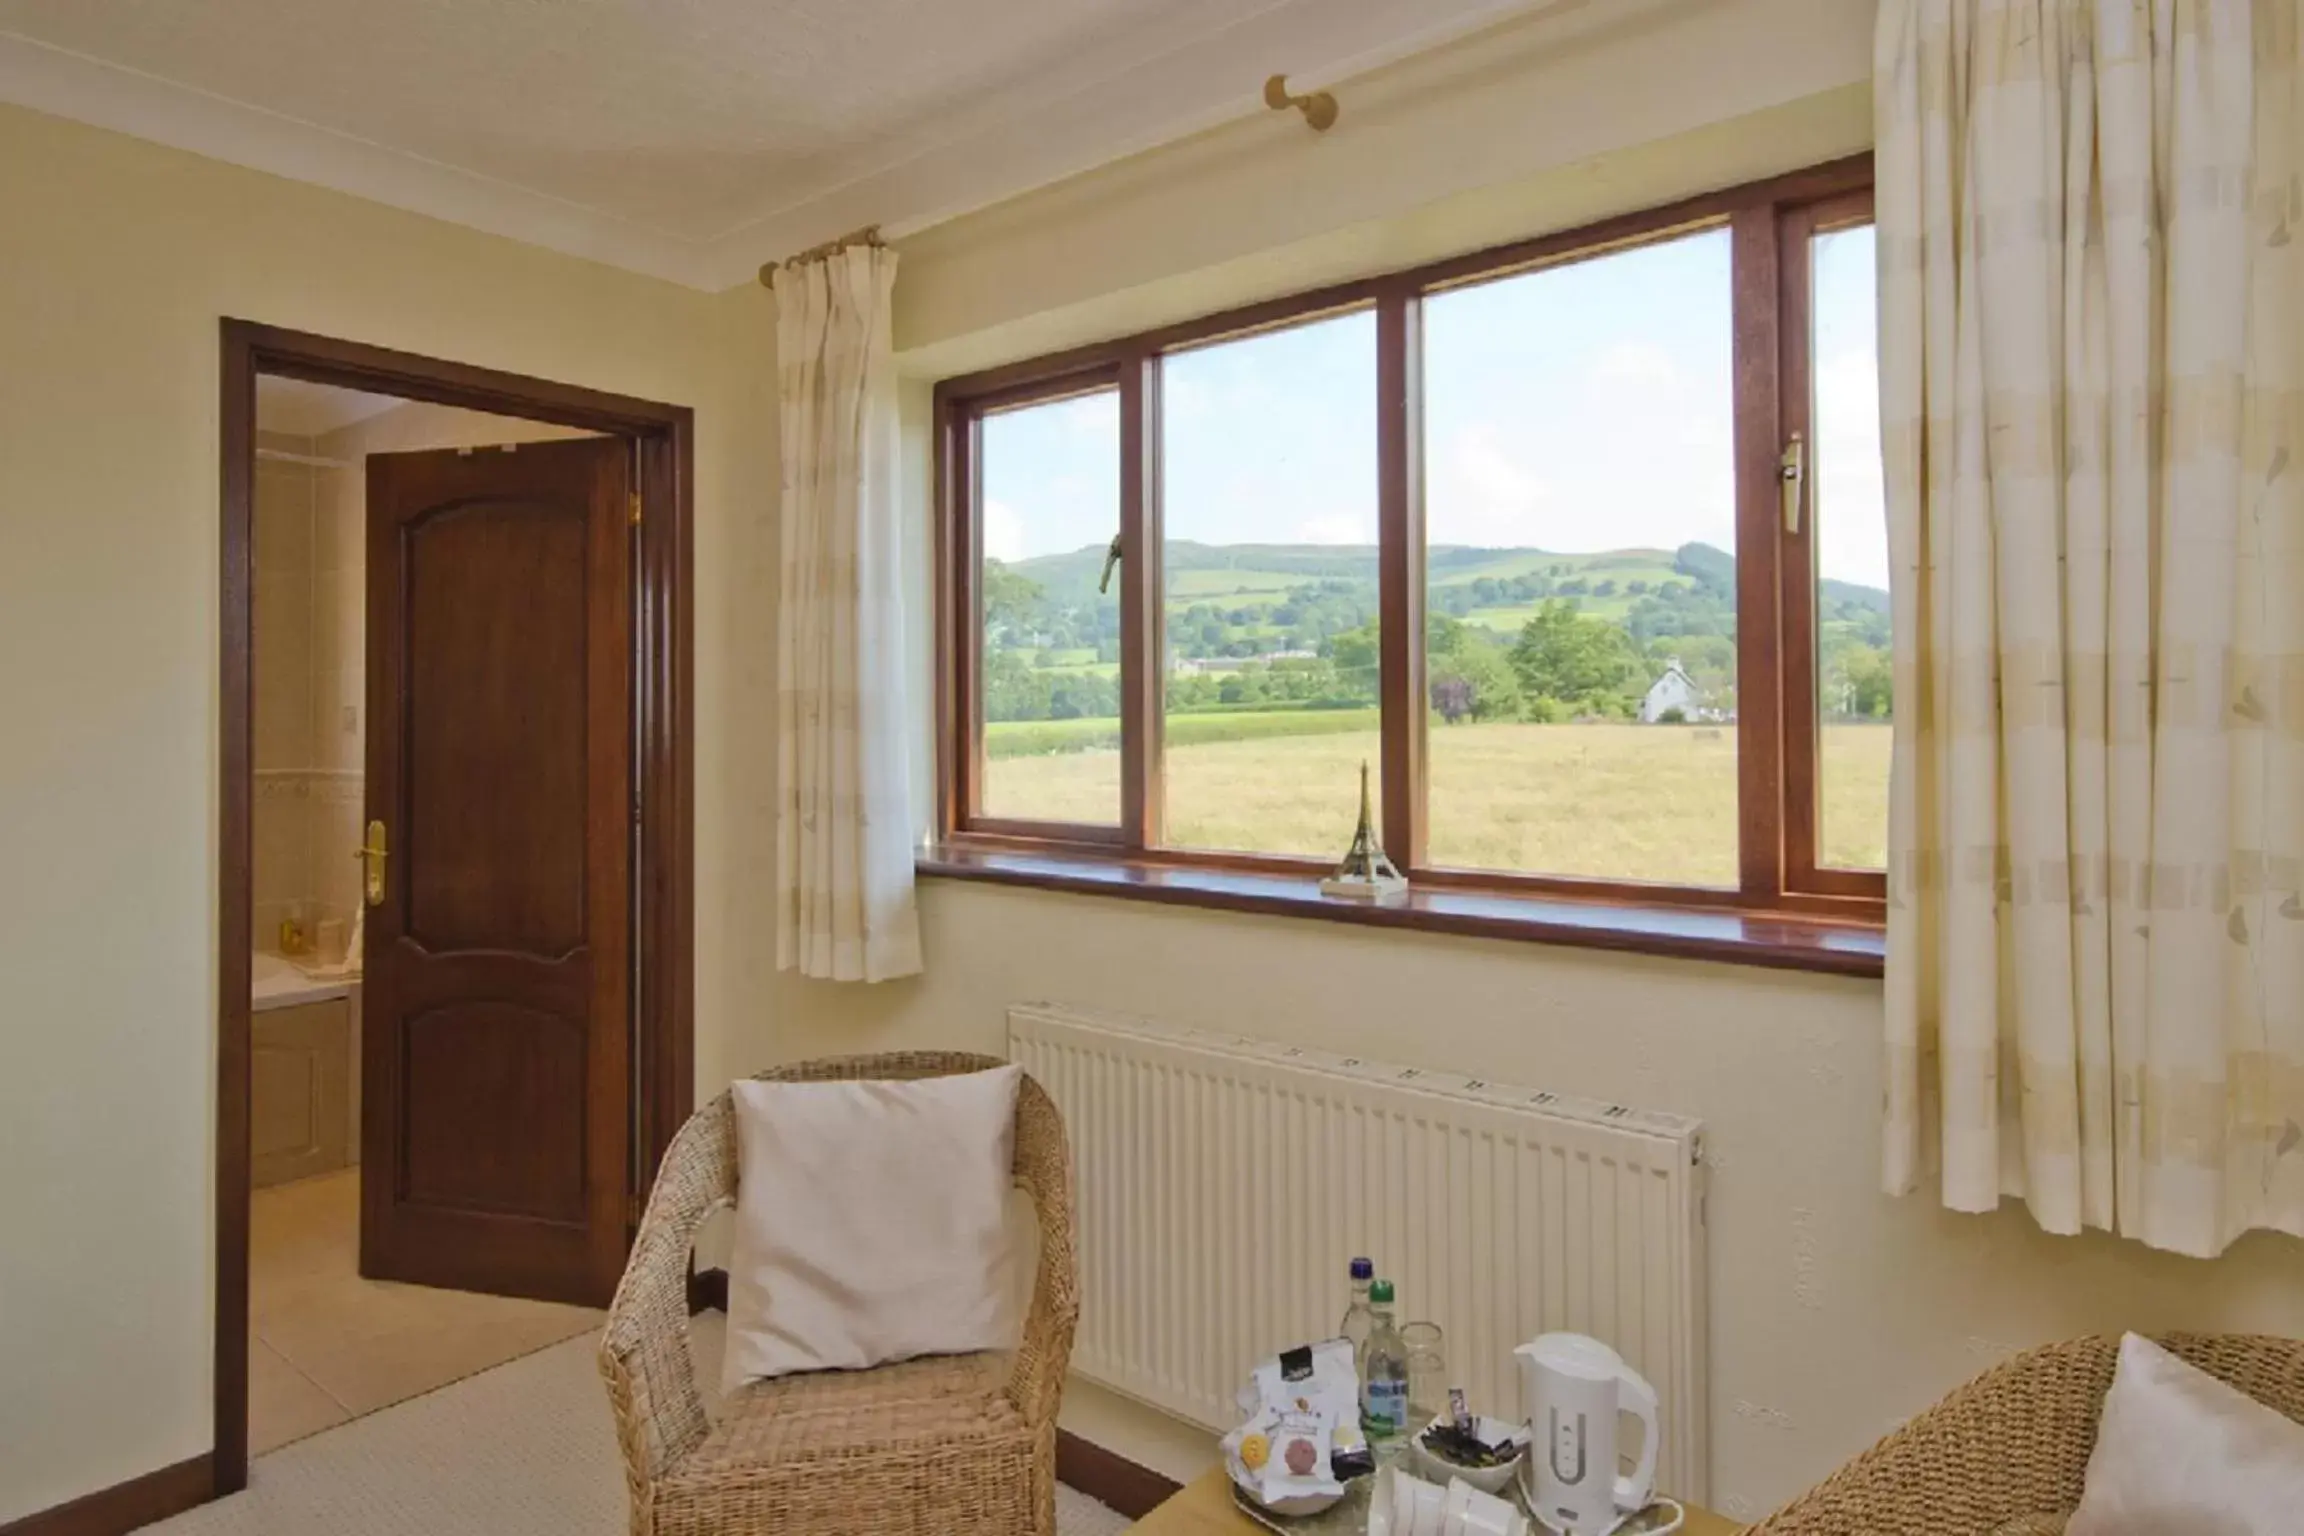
(1619, 801)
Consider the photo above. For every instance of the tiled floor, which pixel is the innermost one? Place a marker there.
(326, 1346)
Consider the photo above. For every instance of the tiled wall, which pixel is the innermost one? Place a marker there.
(308, 689)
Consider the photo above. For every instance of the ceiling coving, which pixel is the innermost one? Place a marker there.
(691, 139)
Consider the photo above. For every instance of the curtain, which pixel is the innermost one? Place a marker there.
(844, 901)
(2089, 228)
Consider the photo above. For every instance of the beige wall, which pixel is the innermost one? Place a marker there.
(1835, 1311)
(116, 261)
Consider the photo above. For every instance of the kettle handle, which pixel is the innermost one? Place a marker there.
(1633, 1493)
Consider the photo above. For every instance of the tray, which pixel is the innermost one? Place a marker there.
(1348, 1516)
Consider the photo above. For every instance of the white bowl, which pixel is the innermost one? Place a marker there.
(1490, 1480)
(1292, 1508)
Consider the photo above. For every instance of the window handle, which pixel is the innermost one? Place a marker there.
(1792, 469)
(1111, 559)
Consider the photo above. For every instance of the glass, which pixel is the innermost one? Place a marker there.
(1854, 700)
(1048, 480)
(1427, 1374)
(1268, 483)
(1580, 589)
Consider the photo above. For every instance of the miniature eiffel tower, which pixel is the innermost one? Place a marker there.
(1366, 874)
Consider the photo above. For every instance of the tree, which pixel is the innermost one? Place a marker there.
(1583, 662)
(1871, 683)
(1009, 599)
(1479, 682)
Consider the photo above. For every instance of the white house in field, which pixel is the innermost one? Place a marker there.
(1674, 690)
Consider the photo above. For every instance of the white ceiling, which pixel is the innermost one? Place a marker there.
(303, 409)
(692, 139)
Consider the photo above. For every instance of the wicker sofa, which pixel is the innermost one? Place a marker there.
(949, 1444)
(2007, 1452)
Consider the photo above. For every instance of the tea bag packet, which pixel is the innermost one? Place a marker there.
(1307, 1413)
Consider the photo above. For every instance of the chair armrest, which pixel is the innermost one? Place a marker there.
(2013, 1442)
(644, 1354)
(1044, 1171)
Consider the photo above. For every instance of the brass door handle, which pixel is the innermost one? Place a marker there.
(372, 855)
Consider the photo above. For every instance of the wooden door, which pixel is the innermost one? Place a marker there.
(497, 1093)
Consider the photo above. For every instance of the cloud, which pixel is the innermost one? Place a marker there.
(1851, 504)
(1003, 531)
(1641, 364)
(1334, 530)
(1479, 492)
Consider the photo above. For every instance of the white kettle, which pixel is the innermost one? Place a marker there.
(1572, 1389)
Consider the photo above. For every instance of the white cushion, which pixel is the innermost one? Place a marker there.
(2179, 1451)
(871, 1223)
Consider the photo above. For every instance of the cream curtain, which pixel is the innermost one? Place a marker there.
(844, 903)
(2089, 229)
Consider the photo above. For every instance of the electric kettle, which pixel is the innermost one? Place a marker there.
(1573, 1388)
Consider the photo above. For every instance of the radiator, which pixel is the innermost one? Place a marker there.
(1223, 1182)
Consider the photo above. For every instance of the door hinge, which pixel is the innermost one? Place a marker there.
(632, 499)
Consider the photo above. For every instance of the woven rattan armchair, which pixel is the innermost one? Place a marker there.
(2008, 1451)
(959, 1444)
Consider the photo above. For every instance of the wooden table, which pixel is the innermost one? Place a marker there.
(1205, 1509)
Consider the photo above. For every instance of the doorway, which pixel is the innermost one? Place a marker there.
(455, 871)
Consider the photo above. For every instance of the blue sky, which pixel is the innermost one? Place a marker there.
(1581, 408)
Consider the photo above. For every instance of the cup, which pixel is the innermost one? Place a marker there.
(1466, 1511)
(1402, 1504)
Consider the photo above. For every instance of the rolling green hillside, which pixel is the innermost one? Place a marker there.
(1251, 625)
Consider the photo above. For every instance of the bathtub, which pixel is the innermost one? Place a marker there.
(304, 1071)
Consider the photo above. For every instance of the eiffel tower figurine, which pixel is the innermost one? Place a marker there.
(1366, 874)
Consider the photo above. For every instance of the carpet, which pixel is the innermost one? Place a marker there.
(526, 1449)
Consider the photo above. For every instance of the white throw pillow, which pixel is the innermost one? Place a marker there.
(2179, 1451)
(871, 1223)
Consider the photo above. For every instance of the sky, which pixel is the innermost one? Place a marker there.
(1582, 408)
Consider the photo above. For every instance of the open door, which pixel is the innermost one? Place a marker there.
(496, 1058)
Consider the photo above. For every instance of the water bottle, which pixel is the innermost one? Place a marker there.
(1358, 1322)
(1384, 1380)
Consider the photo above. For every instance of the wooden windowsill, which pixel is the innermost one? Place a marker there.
(1736, 938)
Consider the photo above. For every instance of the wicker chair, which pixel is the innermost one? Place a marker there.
(2008, 1451)
(955, 1444)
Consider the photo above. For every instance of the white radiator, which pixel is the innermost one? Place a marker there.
(1223, 1182)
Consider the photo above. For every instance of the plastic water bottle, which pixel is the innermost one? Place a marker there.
(1384, 1380)
(1358, 1321)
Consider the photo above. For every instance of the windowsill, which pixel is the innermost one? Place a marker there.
(1736, 938)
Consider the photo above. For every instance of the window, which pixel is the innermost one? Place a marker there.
(1268, 575)
(1049, 655)
(1578, 545)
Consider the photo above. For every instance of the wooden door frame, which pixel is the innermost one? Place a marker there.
(663, 697)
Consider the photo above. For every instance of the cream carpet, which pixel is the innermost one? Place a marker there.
(526, 1449)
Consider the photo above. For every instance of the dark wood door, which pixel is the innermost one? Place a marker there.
(495, 1052)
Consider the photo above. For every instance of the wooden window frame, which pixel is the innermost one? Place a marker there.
(1768, 223)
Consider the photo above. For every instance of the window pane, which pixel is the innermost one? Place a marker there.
(1852, 669)
(1268, 483)
(1049, 478)
(1580, 510)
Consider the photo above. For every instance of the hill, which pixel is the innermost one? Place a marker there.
(1497, 589)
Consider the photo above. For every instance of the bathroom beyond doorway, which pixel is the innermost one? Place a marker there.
(526, 1025)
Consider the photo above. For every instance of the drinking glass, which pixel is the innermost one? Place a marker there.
(1427, 1374)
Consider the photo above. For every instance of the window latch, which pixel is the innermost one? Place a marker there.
(1792, 469)
(1111, 559)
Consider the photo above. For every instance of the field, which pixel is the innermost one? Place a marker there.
(1637, 802)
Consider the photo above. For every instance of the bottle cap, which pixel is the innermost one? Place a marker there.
(1380, 1294)
(1363, 1269)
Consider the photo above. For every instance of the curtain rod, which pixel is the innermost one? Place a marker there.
(868, 235)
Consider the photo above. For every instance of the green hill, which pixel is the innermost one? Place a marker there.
(1261, 590)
